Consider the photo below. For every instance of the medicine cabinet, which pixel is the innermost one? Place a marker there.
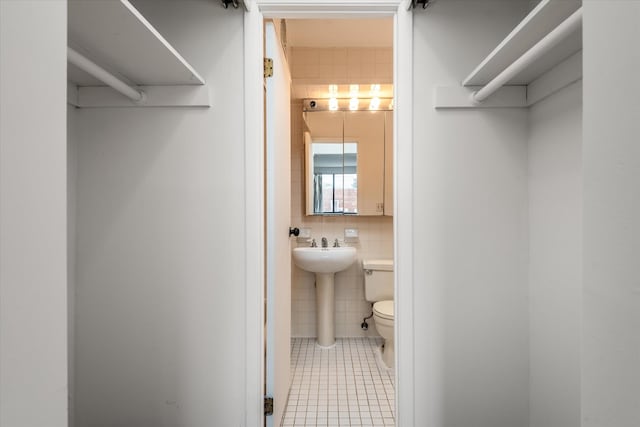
(348, 164)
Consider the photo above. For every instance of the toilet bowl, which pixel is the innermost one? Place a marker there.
(378, 289)
(384, 321)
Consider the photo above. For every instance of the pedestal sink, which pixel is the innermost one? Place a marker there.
(325, 262)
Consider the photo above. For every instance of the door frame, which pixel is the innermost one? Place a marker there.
(254, 232)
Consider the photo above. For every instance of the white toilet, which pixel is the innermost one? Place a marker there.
(378, 289)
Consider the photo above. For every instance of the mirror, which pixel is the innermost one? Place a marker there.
(346, 153)
(334, 181)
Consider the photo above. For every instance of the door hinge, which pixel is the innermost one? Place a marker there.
(268, 67)
(268, 405)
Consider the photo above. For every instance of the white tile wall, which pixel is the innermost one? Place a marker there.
(342, 65)
(376, 241)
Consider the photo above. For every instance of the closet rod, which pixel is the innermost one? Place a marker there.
(104, 76)
(559, 33)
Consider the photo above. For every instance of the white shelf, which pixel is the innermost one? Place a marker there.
(546, 16)
(114, 35)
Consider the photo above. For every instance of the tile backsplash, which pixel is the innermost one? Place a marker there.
(375, 242)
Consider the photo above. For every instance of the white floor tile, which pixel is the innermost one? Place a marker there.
(341, 386)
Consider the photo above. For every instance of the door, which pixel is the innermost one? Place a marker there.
(278, 216)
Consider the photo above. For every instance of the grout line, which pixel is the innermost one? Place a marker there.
(339, 386)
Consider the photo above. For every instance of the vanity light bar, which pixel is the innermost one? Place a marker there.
(348, 104)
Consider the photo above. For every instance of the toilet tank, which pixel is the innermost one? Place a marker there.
(378, 279)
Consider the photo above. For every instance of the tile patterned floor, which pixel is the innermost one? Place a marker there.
(341, 386)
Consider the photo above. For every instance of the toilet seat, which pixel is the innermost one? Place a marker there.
(384, 309)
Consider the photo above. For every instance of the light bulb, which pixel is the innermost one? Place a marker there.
(353, 103)
(375, 103)
(333, 104)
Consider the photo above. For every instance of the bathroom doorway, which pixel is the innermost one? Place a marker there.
(401, 61)
(341, 194)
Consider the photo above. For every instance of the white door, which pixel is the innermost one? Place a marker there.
(278, 216)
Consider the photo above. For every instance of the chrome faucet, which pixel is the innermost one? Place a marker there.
(325, 243)
(313, 243)
(336, 243)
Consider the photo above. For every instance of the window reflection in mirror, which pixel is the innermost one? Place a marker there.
(335, 177)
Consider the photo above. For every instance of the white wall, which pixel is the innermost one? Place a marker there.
(33, 214)
(555, 242)
(160, 251)
(611, 177)
(470, 241)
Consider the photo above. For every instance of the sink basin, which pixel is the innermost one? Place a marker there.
(324, 260)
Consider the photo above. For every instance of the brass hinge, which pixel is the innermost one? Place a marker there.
(268, 67)
(268, 405)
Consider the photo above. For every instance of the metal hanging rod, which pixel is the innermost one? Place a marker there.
(558, 34)
(104, 76)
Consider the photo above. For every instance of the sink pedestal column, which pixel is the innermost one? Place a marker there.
(324, 262)
(325, 309)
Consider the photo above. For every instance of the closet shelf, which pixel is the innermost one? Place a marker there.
(115, 35)
(546, 16)
(539, 57)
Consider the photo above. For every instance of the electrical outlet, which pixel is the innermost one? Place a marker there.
(350, 234)
(304, 236)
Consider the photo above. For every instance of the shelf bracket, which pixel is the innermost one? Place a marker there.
(226, 3)
(460, 97)
(424, 3)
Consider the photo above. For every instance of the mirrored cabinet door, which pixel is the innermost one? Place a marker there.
(325, 165)
(365, 129)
